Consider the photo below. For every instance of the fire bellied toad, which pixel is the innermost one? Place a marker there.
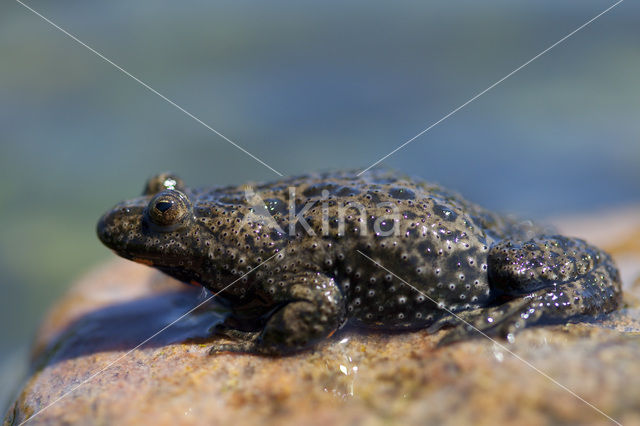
(305, 255)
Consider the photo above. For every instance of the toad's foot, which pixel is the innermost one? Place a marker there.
(546, 280)
(312, 310)
(245, 343)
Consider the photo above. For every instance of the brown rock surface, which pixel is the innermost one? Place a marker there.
(88, 367)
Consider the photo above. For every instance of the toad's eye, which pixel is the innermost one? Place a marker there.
(169, 208)
(162, 182)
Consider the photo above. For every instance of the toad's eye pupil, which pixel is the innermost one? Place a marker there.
(163, 206)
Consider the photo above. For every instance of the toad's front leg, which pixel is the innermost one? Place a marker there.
(312, 309)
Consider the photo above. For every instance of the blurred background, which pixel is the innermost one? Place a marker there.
(303, 86)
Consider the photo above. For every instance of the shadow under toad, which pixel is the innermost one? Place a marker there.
(147, 322)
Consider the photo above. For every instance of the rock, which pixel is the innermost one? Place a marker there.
(90, 366)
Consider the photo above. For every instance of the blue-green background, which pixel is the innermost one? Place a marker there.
(304, 86)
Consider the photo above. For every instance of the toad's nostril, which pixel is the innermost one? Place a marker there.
(163, 206)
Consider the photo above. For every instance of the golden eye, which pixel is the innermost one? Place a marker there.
(161, 182)
(169, 208)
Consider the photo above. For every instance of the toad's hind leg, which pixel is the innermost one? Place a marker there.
(545, 280)
(312, 309)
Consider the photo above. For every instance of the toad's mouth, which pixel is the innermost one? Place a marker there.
(157, 260)
(174, 269)
(143, 261)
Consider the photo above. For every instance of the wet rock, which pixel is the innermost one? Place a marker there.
(99, 359)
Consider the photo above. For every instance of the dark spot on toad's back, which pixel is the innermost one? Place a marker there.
(402, 193)
(444, 212)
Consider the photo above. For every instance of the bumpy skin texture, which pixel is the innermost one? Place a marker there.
(448, 262)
